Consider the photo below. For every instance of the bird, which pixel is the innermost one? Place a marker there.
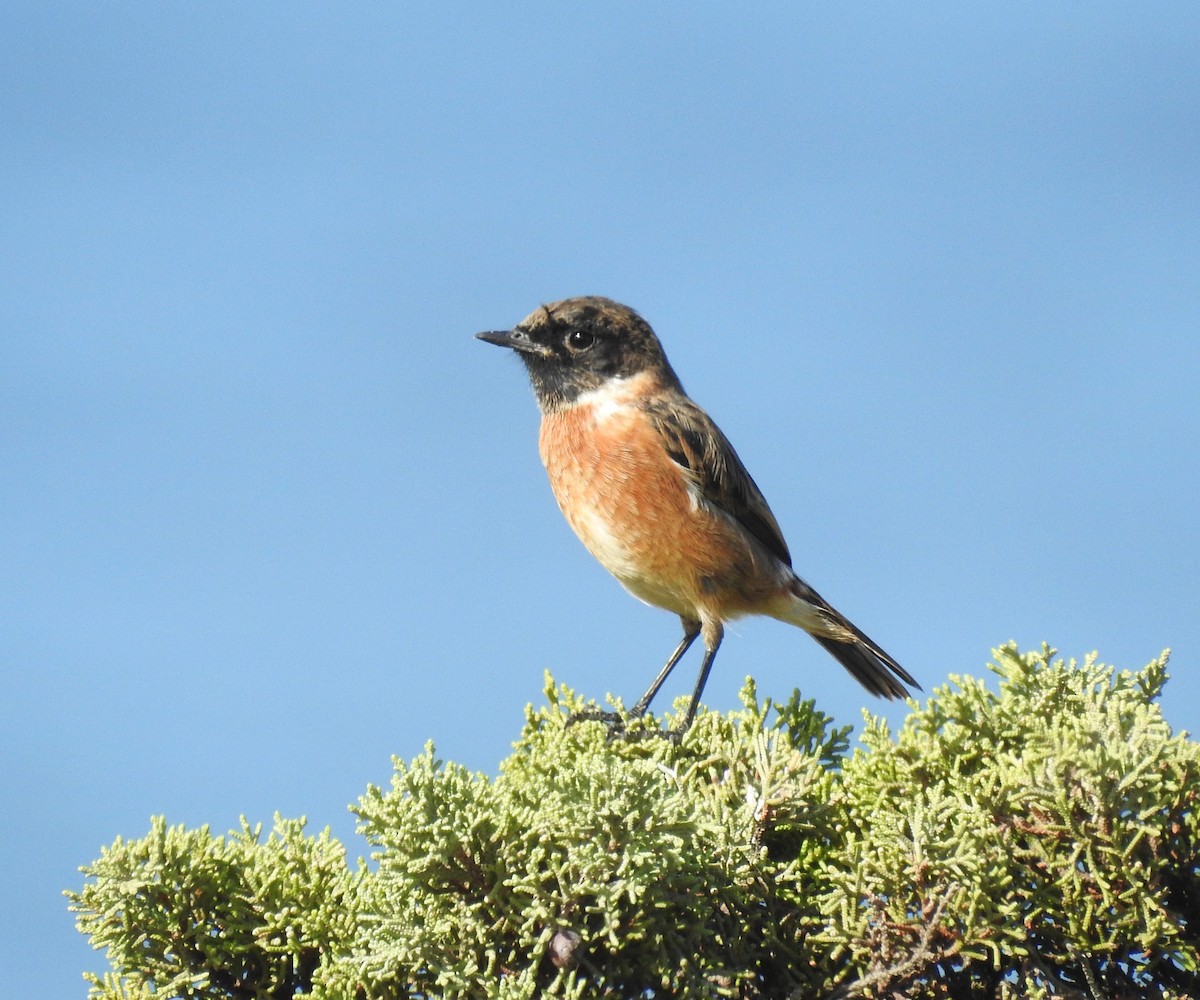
(658, 495)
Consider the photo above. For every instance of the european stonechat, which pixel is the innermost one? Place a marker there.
(656, 492)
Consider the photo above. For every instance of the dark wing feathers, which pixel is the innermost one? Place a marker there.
(697, 445)
(694, 442)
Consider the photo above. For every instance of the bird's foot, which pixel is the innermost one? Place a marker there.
(616, 724)
(614, 721)
(596, 715)
(642, 735)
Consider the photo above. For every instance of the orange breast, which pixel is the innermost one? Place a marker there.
(634, 510)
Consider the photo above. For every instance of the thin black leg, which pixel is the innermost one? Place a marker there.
(690, 631)
(710, 654)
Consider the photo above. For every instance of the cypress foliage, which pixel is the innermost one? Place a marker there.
(1035, 841)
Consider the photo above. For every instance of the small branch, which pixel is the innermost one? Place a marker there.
(1088, 974)
(1063, 988)
(922, 955)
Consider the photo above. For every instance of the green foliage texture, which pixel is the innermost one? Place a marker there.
(1036, 841)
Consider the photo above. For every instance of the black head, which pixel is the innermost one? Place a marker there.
(576, 345)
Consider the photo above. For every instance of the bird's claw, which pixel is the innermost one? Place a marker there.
(642, 735)
(597, 715)
(615, 723)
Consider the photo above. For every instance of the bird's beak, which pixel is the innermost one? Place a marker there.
(501, 338)
(517, 340)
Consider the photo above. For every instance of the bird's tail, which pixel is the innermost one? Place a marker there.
(870, 665)
(873, 668)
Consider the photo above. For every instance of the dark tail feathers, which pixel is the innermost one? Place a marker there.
(870, 665)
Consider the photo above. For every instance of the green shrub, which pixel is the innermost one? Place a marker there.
(1035, 841)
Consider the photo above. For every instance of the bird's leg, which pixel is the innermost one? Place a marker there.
(713, 635)
(691, 629)
(616, 724)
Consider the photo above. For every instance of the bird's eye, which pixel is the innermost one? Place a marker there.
(580, 340)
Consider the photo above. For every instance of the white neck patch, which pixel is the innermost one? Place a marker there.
(614, 395)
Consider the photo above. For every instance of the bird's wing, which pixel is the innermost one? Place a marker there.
(697, 445)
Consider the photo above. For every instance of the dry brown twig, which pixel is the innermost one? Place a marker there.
(921, 956)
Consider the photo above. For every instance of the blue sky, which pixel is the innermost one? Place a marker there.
(271, 515)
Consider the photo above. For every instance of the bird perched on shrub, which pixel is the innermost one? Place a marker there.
(658, 495)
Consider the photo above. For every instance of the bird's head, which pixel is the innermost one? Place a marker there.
(578, 345)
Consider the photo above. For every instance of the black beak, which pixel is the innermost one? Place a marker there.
(517, 340)
(501, 338)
